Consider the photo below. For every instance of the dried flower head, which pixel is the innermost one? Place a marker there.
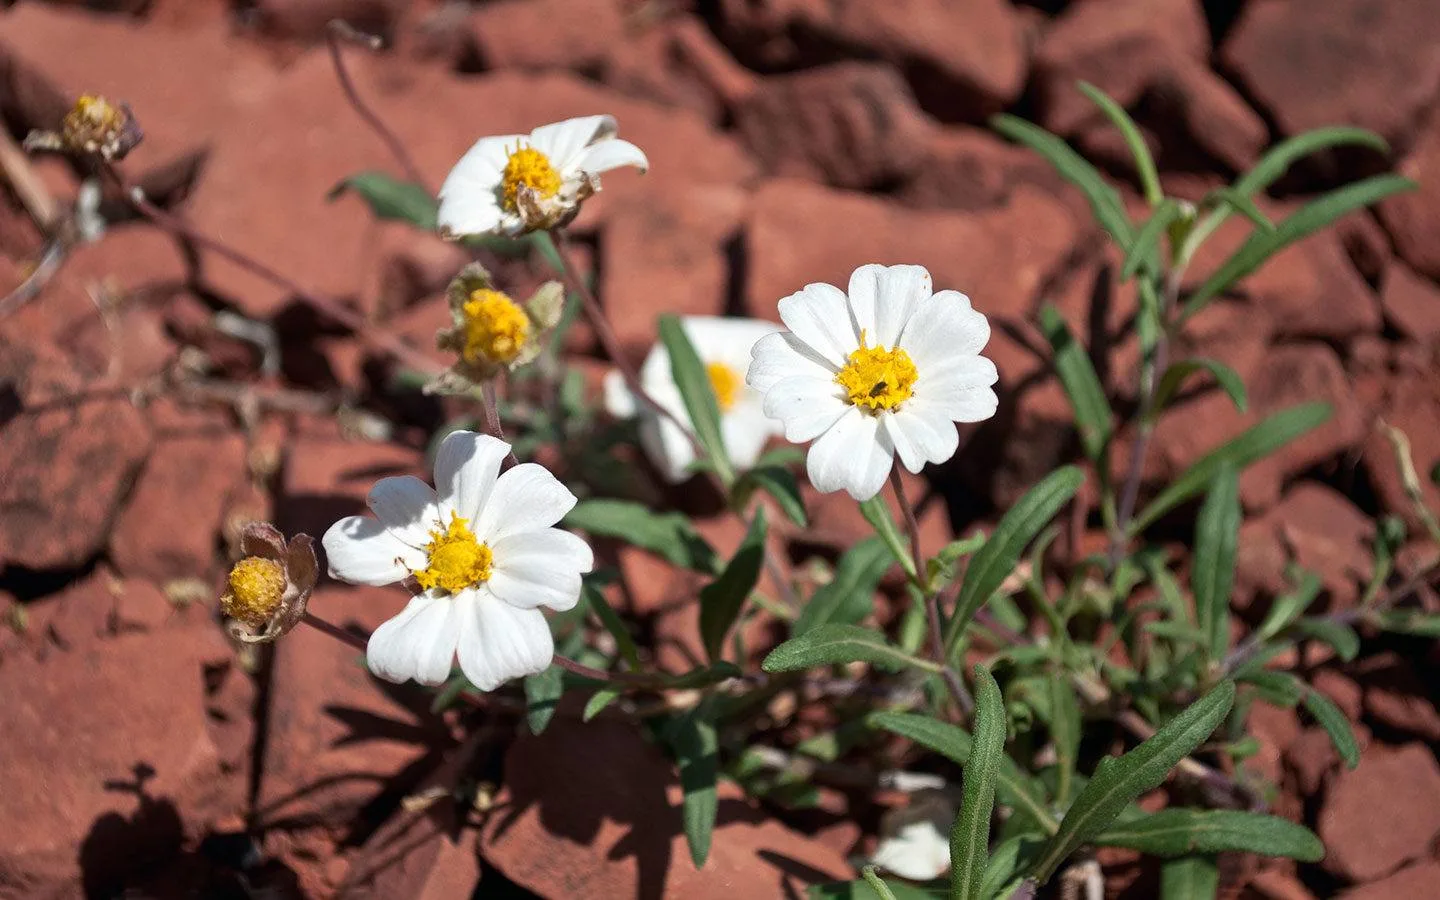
(491, 331)
(267, 590)
(93, 127)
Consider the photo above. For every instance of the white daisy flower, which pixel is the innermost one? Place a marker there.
(482, 550)
(723, 345)
(883, 370)
(517, 183)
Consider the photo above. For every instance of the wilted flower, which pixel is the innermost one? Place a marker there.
(491, 331)
(883, 370)
(267, 590)
(517, 183)
(723, 345)
(93, 127)
(484, 553)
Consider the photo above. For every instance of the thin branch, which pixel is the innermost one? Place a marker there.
(490, 404)
(337, 31)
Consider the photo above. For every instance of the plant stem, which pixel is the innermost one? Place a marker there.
(632, 679)
(337, 31)
(335, 631)
(490, 405)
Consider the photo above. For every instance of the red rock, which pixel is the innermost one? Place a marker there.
(34, 369)
(307, 20)
(67, 741)
(438, 869)
(1412, 303)
(1376, 65)
(1341, 689)
(1415, 882)
(678, 61)
(1409, 402)
(326, 479)
(547, 34)
(67, 469)
(1365, 839)
(1275, 884)
(667, 251)
(170, 526)
(1413, 218)
(268, 165)
(1210, 113)
(567, 833)
(1321, 531)
(852, 125)
(1396, 697)
(1276, 729)
(972, 169)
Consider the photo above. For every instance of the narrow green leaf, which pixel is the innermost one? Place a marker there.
(696, 744)
(1147, 242)
(992, 563)
(1256, 442)
(1178, 632)
(1229, 381)
(833, 644)
(1278, 688)
(695, 389)
(722, 599)
(1004, 863)
(1278, 159)
(1119, 780)
(598, 702)
(859, 889)
(443, 699)
(779, 482)
(1289, 606)
(970, 835)
(669, 535)
(878, 515)
(1064, 722)
(1144, 162)
(1190, 878)
(1212, 575)
(542, 696)
(1093, 417)
(850, 595)
(1330, 718)
(1180, 832)
(1407, 621)
(1305, 221)
(613, 624)
(1341, 637)
(390, 198)
(1243, 205)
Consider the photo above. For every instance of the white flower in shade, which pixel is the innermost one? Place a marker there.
(884, 369)
(723, 345)
(516, 183)
(919, 851)
(482, 548)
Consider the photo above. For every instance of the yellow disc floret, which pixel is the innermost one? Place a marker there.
(876, 378)
(93, 112)
(456, 560)
(495, 327)
(527, 167)
(726, 383)
(256, 587)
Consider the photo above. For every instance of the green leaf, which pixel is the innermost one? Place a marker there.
(1243, 205)
(1176, 374)
(444, 698)
(1119, 780)
(1277, 161)
(878, 515)
(881, 889)
(1004, 863)
(1288, 607)
(1180, 832)
(1278, 688)
(1405, 621)
(1256, 442)
(1330, 718)
(696, 745)
(612, 622)
(390, 198)
(970, 835)
(1305, 221)
(699, 395)
(668, 535)
(1144, 162)
(1341, 637)
(542, 696)
(837, 644)
(598, 702)
(1064, 721)
(779, 482)
(722, 599)
(1093, 417)
(1147, 242)
(860, 890)
(1217, 535)
(1190, 878)
(992, 563)
(850, 595)
(1104, 200)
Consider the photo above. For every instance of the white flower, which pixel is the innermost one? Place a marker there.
(723, 345)
(484, 553)
(919, 851)
(887, 369)
(517, 183)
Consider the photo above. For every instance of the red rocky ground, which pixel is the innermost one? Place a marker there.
(791, 140)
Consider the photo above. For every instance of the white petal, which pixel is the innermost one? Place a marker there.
(854, 455)
(619, 402)
(419, 644)
(469, 211)
(361, 550)
(806, 406)
(468, 203)
(525, 498)
(612, 154)
(961, 390)
(466, 466)
(746, 430)
(540, 568)
(919, 852)
(920, 435)
(820, 317)
(499, 642)
(944, 328)
(884, 297)
(668, 446)
(564, 142)
(783, 355)
(406, 506)
(971, 404)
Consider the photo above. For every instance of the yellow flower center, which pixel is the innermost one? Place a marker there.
(528, 167)
(256, 586)
(876, 378)
(456, 559)
(726, 383)
(495, 326)
(93, 111)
